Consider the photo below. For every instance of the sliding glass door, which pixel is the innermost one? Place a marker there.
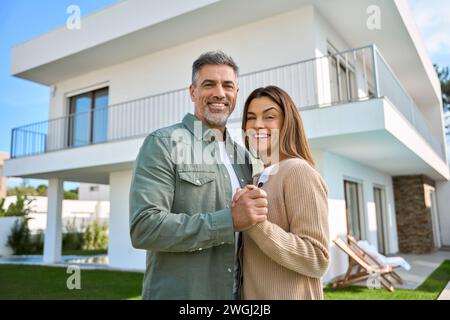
(88, 118)
(353, 209)
(380, 211)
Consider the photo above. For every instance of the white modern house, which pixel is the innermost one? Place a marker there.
(367, 90)
(3, 179)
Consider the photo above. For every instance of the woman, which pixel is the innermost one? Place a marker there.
(285, 256)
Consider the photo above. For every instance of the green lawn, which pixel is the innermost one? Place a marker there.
(429, 290)
(36, 282)
(83, 252)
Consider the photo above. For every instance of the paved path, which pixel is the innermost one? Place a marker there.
(421, 267)
(445, 295)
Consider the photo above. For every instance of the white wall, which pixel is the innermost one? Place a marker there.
(121, 253)
(443, 196)
(335, 169)
(100, 193)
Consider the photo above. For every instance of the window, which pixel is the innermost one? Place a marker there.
(353, 209)
(88, 121)
(379, 198)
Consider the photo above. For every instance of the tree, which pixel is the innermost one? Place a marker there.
(444, 77)
(42, 190)
(20, 208)
(70, 195)
(24, 190)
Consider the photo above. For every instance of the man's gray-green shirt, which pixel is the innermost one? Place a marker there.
(180, 212)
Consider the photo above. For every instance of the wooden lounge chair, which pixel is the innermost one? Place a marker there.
(371, 257)
(360, 269)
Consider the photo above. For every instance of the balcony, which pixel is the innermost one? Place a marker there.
(338, 79)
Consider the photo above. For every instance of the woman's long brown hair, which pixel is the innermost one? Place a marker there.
(293, 142)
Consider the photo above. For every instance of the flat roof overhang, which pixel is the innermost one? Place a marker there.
(105, 39)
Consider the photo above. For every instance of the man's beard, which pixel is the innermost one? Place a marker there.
(216, 118)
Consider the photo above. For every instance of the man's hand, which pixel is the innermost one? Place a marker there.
(249, 207)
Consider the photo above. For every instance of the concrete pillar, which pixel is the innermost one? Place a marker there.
(53, 231)
(121, 253)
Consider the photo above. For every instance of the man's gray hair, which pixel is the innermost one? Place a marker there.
(212, 58)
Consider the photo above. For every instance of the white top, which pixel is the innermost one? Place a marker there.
(226, 161)
(234, 185)
(267, 172)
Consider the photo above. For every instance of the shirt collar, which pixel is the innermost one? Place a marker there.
(201, 131)
(266, 173)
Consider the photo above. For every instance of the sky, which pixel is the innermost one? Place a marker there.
(23, 102)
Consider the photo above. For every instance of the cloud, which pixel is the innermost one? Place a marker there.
(432, 19)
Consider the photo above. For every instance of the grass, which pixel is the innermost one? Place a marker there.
(37, 282)
(83, 252)
(430, 289)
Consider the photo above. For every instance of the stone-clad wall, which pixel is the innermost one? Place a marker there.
(413, 211)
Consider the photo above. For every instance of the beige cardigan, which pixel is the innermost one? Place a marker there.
(286, 256)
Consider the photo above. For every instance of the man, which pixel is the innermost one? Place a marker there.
(183, 182)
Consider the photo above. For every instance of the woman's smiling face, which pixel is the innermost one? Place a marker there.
(263, 125)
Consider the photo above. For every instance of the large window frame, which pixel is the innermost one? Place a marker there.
(379, 193)
(356, 222)
(93, 112)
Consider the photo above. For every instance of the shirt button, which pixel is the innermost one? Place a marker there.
(229, 269)
(200, 249)
(197, 181)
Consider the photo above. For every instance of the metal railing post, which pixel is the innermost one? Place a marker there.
(376, 75)
(12, 144)
(338, 74)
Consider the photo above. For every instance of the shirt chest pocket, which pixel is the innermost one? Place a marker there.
(197, 190)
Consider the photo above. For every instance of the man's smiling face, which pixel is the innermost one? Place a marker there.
(214, 94)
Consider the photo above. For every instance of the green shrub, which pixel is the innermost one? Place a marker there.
(96, 236)
(73, 241)
(2, 211)
(21, 208)
(21, 241)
